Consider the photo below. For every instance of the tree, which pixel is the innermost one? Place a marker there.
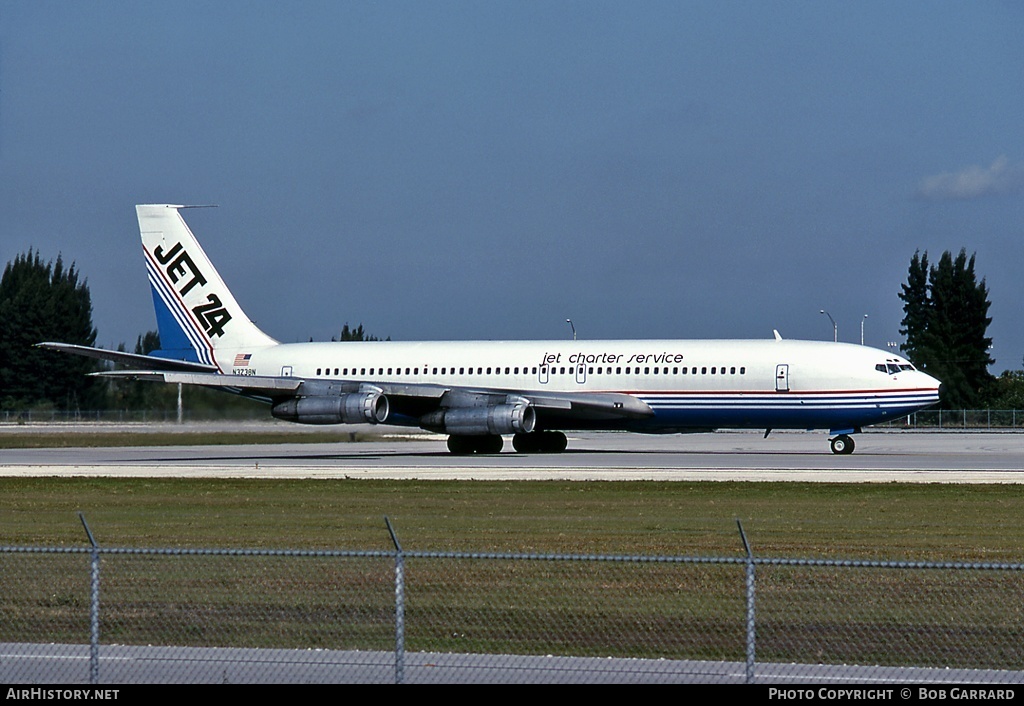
(356, 334)
(916, 307)
(945, 323)
(44, 302)
(1007, 391)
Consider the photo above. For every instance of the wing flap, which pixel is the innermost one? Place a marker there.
(270, 385)
(593, 405)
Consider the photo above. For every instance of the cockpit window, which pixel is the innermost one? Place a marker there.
(906, 366)
(892, 368)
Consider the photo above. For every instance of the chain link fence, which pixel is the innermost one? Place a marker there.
(971, 419)
(120, 616)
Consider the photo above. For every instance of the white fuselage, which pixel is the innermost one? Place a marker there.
(689, 384)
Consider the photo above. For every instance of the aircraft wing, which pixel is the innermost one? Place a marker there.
(409, 399)
(148, 362)
(271, 386)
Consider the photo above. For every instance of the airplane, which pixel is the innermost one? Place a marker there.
(476, 392)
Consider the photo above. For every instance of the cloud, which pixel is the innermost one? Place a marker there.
(974, 182)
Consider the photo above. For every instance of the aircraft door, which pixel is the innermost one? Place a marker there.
(782, 378)
(581, 374)
(286, 371)
(542, 375)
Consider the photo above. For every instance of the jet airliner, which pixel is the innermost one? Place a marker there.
(476, 392)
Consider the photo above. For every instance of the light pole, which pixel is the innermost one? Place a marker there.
(835, 329)
(569, 321)
(862, 329)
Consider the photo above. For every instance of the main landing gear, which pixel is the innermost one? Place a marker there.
(842, 445)
(483, 444)
(545, 442)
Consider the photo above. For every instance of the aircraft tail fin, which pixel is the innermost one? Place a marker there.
(197, 316)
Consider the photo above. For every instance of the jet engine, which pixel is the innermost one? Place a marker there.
(472, 421)
(368, 407)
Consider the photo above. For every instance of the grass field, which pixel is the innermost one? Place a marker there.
(877, 521)
(836, 615)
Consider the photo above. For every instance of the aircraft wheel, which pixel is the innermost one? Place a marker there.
(544, 442)
(842, 445)
(491, 444)
(460, 445)
(555, 442)
(526, 443)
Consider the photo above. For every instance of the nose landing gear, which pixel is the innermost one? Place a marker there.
(842, 445)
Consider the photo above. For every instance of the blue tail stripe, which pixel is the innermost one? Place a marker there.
(173, 343)
(173, 322)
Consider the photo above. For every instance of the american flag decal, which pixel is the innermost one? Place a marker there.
(242, 360)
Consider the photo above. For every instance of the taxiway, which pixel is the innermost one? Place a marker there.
(882, 456)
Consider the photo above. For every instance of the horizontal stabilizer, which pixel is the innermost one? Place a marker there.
(149, 362)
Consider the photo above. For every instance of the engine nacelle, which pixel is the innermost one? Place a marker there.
(349, 408)
(519, 418)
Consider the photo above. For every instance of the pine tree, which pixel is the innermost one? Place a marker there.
(44, 302)
(945, 323)
(356, 334)
(916, 307)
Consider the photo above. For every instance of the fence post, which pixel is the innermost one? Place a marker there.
(751, 599)
(399, 606)
(94, 606)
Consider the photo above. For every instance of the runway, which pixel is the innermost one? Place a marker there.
(881, 457)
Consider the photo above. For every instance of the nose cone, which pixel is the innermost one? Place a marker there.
(933, 385)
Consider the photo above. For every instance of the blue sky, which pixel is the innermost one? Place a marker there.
(486, 169)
